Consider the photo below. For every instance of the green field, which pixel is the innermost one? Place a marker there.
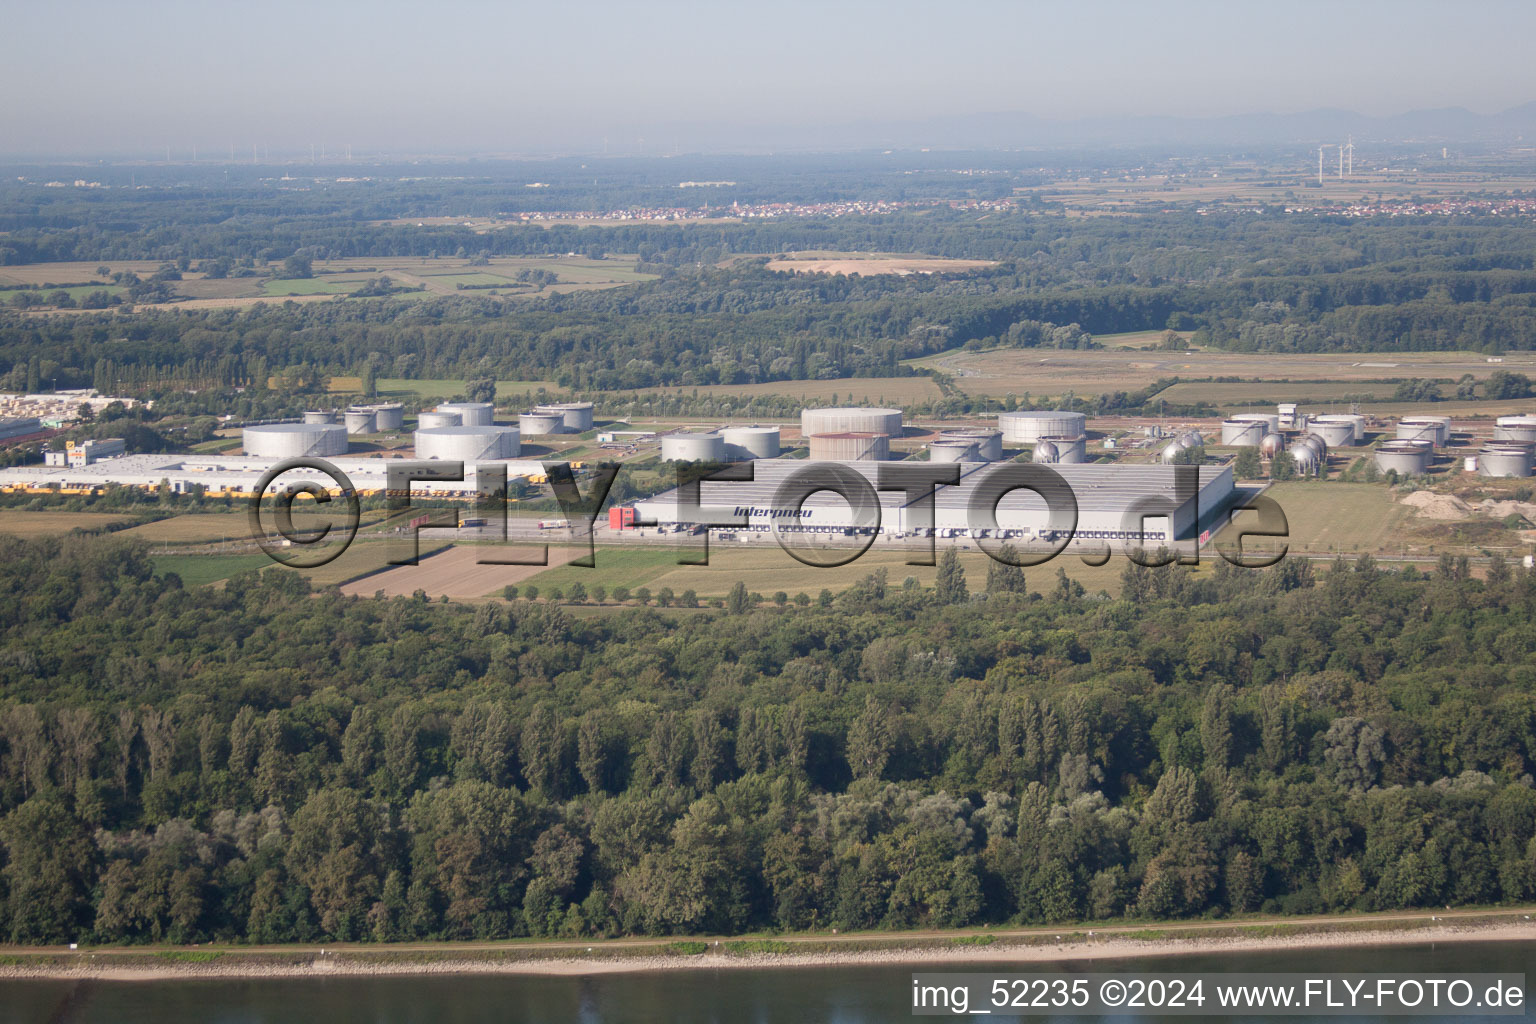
(77, 292)
(199, 570)
(475, 278)
(1335, 517)
(311, 285)
(22, 523)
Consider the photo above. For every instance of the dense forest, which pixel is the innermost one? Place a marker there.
(259, 763)
(1254, 282)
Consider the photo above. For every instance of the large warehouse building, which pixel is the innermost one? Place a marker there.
(232, 475)
(1110, 501)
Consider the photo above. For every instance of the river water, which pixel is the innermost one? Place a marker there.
(837, 995)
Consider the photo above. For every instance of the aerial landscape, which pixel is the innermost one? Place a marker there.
(736, 529)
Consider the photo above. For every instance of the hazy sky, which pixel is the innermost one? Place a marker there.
(527, 77)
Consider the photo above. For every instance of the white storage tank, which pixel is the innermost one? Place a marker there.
(693, 448)
(1515, 428)
(1404, 457)
(294, 440)
(1335, 433)
(988, 442)
(1027, 427)
(1270, 421)
(1356, 423)
(360, 421)
(851, 419)
(850, 446)
(318, 416)
(752, 442)
(1242, 433)
(431, 420)
(1069, 450)
(539, 423)
(388, 416)
(471, 414)
(953, 451)
(577, 416)
(1505, 459)
(1435, 429)
(468, 443)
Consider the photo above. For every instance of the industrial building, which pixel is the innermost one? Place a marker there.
(294, 440)
(851, 420)
(232, 476)
(468, 443)
(1027, 427)
(20, 426)
(1111, 499)
(471, 414)
(85, 453)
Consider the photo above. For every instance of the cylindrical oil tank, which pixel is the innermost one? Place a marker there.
(1335, 433)
(388, 416)
(1405, 459)
(1356, 425)
(294, 440)
(851, 420)
(1504, 459)
(988, 442)
(317, 416)
(953, 451)
(433, 420)
(1515, 428)
(850, 446)
(1046, 452)
(1242, 433)
(540, 423)
(1027, 427)
(471, 414)
(693, 448)
(752, 442)
(1270, 421)
(577, 416)
(1425, 428)
(468, 443)
(1271, 445)
(360, 421)
(1069, 450)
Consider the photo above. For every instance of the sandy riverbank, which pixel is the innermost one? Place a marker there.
(1082, 947)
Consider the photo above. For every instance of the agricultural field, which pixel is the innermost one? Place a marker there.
(22, 523)
(201, 570)
(456, 572)
(1327, 517)
(331, 284)
(1000, 372)
(194, 528)
(340, 277)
